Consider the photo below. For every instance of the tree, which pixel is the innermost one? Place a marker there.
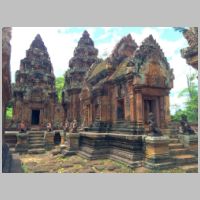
(180, 29)
(59, 86)
(191, 103)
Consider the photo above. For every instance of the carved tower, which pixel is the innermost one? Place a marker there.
(34, 91)
(85, 54)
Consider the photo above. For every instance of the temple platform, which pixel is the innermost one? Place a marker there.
(122, 147)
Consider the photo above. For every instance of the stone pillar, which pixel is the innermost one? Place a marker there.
(49, 139)
(139, 111)
(132, 108)
(162, 112)
(139, 106)
(157, 152)
(73, 144)
(63, 137)
(167, 111)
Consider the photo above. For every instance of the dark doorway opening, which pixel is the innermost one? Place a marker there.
(35, 117)
(57, 138)
(149, 106)
(97, 112)
(120, 109)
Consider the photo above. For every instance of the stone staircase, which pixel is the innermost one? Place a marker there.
(182, 156)
(36, 142)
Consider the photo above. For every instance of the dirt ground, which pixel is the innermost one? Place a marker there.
(48, 163)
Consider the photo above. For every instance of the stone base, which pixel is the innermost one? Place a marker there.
(100, 126)
(190, 142)
(125, 148)
(73, 143)
(22, 143)
(21, 148)
(157, 153)
(49, 140)
(63, 137)
(68, 152)
(125, 127)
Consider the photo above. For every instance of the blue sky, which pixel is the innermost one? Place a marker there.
(60, 43)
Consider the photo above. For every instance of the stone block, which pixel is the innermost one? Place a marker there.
(73, 141)
(157, 152)
(190, 142)
(22, 143)
(63, 136)
(49, 139)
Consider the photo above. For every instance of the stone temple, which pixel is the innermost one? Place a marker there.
(34, 92)
(114, 108)
(85, 54)
(190, 53)
(121, 91)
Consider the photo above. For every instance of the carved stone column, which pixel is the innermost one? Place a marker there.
(167, 111)
(139, 111)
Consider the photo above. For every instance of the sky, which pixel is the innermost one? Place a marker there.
(61, 42)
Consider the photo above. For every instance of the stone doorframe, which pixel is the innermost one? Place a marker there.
(155, 108)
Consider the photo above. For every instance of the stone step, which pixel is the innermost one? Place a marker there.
(185, 159)
(174, 140)
(175, 146)
(38, 145)
(12, 149)
(37, 134)
(36, 151)
(36, 137)
(35, 141)
(190, 168)
(179, 151)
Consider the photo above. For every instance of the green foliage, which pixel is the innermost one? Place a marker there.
(191, 104)
(59, 87)
(9, 112)
(25, 168)
(180, 29)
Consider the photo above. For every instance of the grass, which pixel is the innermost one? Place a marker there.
(25, 168)
(174, 170)
(9, 113)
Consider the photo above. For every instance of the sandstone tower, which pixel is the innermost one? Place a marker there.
(34, 91)
(85, 54)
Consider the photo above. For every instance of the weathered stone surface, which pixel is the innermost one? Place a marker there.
(34, 92)
(190, 141)
(185, 127)
(120, 91)
(73, 141)
(22, 142)
(85, 54)
(191, 52)
(6, 93)
(157, 154)
(121, 147)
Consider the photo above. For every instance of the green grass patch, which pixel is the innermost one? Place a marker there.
(9, 113)
(25, 168)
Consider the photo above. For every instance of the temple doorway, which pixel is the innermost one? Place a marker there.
(149, 106)
(35, 118)
(120, 109)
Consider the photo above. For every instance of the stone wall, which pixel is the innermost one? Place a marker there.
(6, 92)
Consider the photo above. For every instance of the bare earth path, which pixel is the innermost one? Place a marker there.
(47, 163)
